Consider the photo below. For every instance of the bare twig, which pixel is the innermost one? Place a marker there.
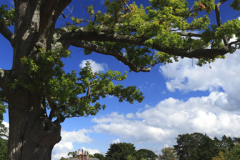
(67, 15)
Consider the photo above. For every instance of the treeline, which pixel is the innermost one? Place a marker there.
(195, 146)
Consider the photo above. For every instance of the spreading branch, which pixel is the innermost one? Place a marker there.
(103, 50)
(82, 34)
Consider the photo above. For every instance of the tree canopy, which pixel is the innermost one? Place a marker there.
(199, 146)
(145, 153)
(120, 151)
(99, 156)
(168, 153)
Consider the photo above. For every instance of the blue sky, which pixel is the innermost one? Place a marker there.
(180, 98)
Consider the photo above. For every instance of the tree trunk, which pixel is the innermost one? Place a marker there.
(32, 135)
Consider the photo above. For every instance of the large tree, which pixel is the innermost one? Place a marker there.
(36, 80)
(195, 146)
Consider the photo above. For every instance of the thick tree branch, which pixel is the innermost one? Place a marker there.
(217, 11)
(6, 32)
(81, 34)
(100, 49)
(190, 34)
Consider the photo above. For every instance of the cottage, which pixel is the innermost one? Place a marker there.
(82, 156)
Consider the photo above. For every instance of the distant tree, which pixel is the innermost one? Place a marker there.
(91, 156)
(227, 142)
(74, 154)
(63, 158)
(120, 151)
(148, 154)
(130, 157)
(234, 154)
(99, 156)
(198, 146)
(207, 148)
(168, 153)
(187, 145)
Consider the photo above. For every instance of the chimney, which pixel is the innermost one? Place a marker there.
(82, 156)
(79, 155)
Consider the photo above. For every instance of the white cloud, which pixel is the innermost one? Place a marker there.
(130, 115)
(171, 117)
(65, 146)
(224, 74)
(147, 106)
(6, 124)
(95, 66)
(115, 141)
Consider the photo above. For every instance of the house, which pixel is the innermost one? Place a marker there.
(82, 156)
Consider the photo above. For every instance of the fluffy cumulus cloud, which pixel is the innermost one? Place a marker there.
(95, 66)
(169, 118)
(116, 141)
(224, 74)
(65, 146)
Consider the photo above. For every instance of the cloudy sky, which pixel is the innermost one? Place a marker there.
(179, 98)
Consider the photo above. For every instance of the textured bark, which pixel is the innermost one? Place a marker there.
(31, 134)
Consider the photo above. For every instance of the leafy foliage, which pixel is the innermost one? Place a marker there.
(64, 88)
(162, 15)
(145, 153)
(232, 155)
(99, 156)
(73, 154)
(168, 153)
(7, 16)
(121, 151)
(198, 146)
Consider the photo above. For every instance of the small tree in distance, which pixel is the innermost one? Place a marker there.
(168, 153)
(99, 156)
